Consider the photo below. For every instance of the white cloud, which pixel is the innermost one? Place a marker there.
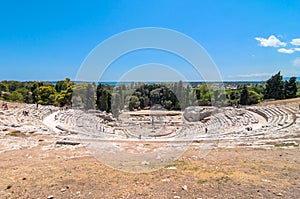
(255, 75)
(297, 49)
(295, 42)
(296, 62)
(272, 41)
(286, 51)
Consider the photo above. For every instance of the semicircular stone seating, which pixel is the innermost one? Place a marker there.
(15, 120)
(224, 122)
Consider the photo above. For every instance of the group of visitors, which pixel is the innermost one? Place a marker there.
(249, 128)
(25, 113)
(64, 108)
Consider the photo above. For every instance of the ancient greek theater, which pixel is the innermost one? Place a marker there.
(46, 144)
(261, 126)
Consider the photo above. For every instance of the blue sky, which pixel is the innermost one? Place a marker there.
(248, 40)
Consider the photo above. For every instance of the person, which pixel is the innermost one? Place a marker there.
(5, 106)
(25, 113)
(206, 130)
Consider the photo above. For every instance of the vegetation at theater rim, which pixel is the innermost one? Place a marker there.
(170, 96)
(40, 92)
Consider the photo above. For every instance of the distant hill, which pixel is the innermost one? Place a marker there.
(287, 78)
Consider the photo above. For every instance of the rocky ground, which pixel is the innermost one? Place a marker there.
(33, 165)
(224, 173)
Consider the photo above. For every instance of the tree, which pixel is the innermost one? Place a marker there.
(298, 89)
(103, 97)
(83, 96)
(64, 97)
(219, 98)
(59, 86)
(33, 88)
(26, 95)
(197, 93)
(249, 97)
(3, 87)
(253, 97)
(103, 101)
(155, 96)
(167, 104)
(259, 88)
(16, 97)
(116, 104)
(38, 92)
(233, 97)
(89, 102)
(46, 95)
(14, 85)
(275, 87)
(244, 96)
(134, 103)
(63, 85)
(203, 95)
(291, 88)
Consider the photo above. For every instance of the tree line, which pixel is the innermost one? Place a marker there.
(274, 88)
(135, 96)
(39, 92)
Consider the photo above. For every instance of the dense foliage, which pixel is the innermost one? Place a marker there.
(276, 88)
(38, 92)
(135, 96)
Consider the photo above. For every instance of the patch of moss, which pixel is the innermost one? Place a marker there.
(286, 144)
(202, 181)
(223, 179)
(16, 134)
(177, 163)
(195, 168)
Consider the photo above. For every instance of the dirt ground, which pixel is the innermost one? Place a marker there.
(223, 173)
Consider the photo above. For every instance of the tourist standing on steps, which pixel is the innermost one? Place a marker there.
(25, 113)
(5, 106)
